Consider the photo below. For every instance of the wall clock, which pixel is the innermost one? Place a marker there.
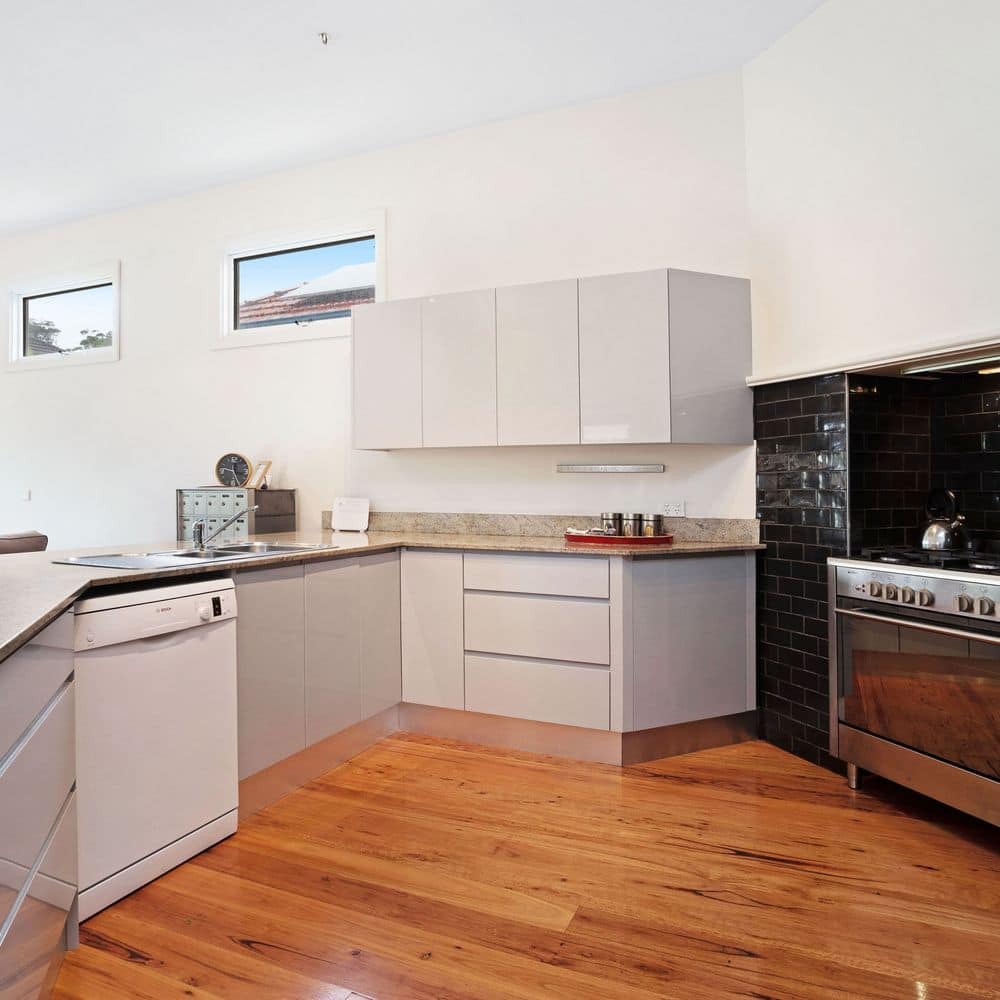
(233, 470)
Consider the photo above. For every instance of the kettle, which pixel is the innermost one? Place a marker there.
(945, 526)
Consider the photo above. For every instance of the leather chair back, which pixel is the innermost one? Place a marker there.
(23, 541)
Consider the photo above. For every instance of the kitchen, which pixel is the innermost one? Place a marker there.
(564, 279)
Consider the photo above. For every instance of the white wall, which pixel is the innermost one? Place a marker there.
(645, 180)
(873, 156)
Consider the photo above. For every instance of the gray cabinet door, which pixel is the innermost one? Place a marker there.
(689, 664)
(710, 402)
(333, 699)
(538, 373)
(270, 634)
(387, 394)
(381, 667)
(624, 358)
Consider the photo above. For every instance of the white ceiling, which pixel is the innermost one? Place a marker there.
(115, 102)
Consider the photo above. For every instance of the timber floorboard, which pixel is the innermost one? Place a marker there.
(428, 868)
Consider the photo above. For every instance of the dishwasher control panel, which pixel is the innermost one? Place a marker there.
(147, 614)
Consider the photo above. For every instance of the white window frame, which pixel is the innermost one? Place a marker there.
(370, 223)
(108, 272)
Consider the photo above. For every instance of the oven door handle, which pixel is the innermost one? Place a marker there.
(956, 633)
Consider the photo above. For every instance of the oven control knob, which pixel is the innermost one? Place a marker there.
(874, 589)
(890, 592)
(964, 603)
(984, 606)
(906, 595)
(925, 598)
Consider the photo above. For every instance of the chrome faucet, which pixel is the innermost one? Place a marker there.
(198, 536)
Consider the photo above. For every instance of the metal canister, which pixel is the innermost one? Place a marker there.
(652, 524)
(632, 525)
(612, 523)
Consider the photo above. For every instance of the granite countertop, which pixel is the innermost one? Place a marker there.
(34, 591)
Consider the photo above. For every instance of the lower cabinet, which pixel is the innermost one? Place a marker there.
(38, 839)
(432, 614)
(319, 650)
(570, 694)
(271, 640)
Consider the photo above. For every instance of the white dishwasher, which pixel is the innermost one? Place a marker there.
(155, 732)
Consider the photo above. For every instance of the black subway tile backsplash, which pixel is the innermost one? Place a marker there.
(801, 432)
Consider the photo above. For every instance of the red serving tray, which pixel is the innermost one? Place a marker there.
(581, 539)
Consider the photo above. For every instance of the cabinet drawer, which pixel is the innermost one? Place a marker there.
(34, 939)
(544, 627)
(565, 576)
(34, 784)
(537, 690)
(28, 679)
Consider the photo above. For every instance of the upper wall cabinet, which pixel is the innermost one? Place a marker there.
(710, 401)
(387, 403)
(459, 369)
(624, 358)
(650, 357)
(538, 375)
(664, 356)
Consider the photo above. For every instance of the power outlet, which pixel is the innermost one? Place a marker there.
(674, 508)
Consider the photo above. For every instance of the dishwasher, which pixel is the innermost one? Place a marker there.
(155, 732)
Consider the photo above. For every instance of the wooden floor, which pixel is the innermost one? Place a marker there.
(424, 869)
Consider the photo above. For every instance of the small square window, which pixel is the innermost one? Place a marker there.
(69, 319)
(303, 284)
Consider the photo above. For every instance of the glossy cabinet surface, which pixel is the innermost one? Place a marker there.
(32, 945)
(381, 644)
(523, 573)
(625, 339)
(333, 694)
(431, 614)
(710, 402)
(387, 386)
(538, 375)
(459, 369)
(568, 694)
(541, 627)
(271, 630)
(35, 778)
(683, 669)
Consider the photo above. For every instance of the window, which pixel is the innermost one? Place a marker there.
(301, 289)
(70, 319)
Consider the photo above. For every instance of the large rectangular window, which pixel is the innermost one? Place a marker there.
(66, 319)
(304, 284)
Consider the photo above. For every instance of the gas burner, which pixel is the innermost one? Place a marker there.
(984, 564)
(896, 558)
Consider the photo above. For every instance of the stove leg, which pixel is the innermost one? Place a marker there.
(853, 777)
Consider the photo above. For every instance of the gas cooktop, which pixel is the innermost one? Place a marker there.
(957, 559)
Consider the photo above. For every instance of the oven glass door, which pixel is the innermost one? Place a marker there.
(931, 686)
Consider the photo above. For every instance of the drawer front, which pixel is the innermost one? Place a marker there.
(28, 679)
(34, 939)
(537, 690)
(565, 576)
(33, 787)
(542, 627)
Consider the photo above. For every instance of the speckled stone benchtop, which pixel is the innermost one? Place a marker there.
(34, 591)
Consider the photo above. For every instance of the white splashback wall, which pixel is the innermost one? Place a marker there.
(872, 153)
(644, 180)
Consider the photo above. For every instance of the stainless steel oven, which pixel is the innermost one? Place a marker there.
(915, 680)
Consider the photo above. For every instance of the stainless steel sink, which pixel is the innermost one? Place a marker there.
(175, 558)
(271, 548)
